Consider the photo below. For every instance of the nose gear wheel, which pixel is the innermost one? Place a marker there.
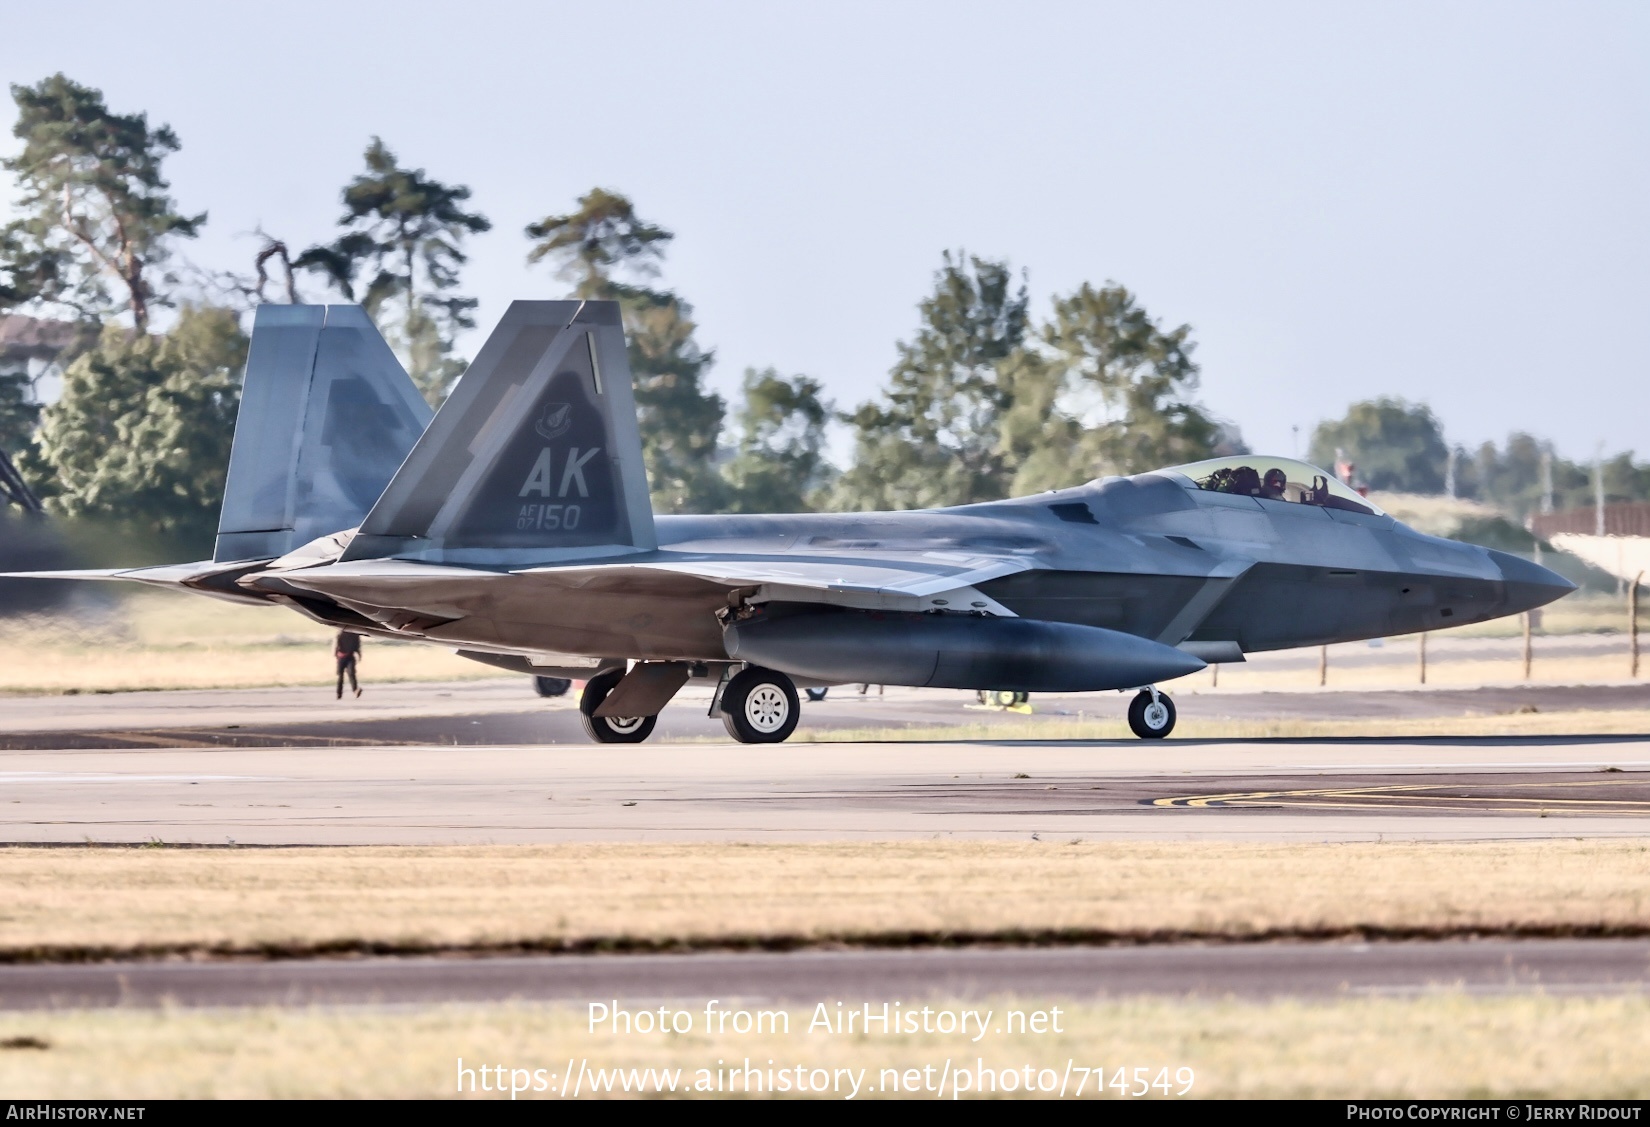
(1151, 714)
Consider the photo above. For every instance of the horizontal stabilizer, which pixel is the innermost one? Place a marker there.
(81, 573)
(327, 416)
(208, 577)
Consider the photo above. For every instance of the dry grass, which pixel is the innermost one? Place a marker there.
(1434, 515)
(161, 640)
(1398, 670)
(56, 901)
(1440, 1046)
(1034, 727)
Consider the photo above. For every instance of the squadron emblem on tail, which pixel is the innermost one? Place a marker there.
(556, 421)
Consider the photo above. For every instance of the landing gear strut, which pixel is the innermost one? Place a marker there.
(1151, 714)
(611, 729)
(759, 706)
(1002, 698)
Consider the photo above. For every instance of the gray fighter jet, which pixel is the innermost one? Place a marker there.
(515, 528)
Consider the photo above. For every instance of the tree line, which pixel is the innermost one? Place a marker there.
(1396, 445)
(984, 400)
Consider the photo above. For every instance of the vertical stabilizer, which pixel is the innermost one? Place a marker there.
(534, 457)
(327, 416)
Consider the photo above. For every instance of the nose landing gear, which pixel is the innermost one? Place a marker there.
(1151, 714)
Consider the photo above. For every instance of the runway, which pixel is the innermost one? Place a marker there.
(489, 762)
(506, 712)
(1309, 790)
(807, 977)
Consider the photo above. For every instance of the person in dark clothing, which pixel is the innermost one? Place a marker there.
(347, 649)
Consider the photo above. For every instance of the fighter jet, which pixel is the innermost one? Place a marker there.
(515, 528)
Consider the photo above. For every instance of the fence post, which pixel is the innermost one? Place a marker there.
(1421, 659)
(1527, 654)
(1323, 666)
(1633, 621)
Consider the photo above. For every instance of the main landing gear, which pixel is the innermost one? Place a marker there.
(611, 729)
(759, 706)
(1151, 714)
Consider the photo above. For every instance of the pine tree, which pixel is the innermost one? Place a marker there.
(1126, 383)
(400, 257)
(607, 252)
(934, 438)
(96, 213)
(779, 465)
(19, 414)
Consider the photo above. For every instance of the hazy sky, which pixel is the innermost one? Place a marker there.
(1443, 201)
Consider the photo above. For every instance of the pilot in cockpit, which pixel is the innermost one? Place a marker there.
(1245, 482)
(1274, 484)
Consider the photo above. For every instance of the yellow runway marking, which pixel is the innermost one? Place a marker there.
(1425, 796)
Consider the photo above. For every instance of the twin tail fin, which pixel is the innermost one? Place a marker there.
(534, 458)
(327, 417)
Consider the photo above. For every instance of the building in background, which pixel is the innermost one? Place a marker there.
(1613, 538)
(37, 350)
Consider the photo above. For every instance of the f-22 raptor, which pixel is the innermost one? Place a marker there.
(515, 527)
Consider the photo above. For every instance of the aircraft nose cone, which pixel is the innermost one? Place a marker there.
(1529, 585)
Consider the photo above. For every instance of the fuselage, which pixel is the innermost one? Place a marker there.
(1170, 557)
(1140, 554)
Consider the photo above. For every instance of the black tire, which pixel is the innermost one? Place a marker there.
(551, 686)
(759, 706)
(611, 729)
(1151, 723)
(817, 694)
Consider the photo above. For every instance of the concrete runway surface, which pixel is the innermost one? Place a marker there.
(506, 712)
(488, 761)
(1309, 789)
(1487, 966)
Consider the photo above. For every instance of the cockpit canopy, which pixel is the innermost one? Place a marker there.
(1275, 479)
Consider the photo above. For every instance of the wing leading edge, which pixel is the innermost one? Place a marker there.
(922, 581)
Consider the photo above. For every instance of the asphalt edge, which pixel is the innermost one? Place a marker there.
(62, 954)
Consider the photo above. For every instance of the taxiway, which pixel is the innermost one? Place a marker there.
(1270, 970)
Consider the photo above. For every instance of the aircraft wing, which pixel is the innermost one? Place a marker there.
(889, 581)
(903, 581)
